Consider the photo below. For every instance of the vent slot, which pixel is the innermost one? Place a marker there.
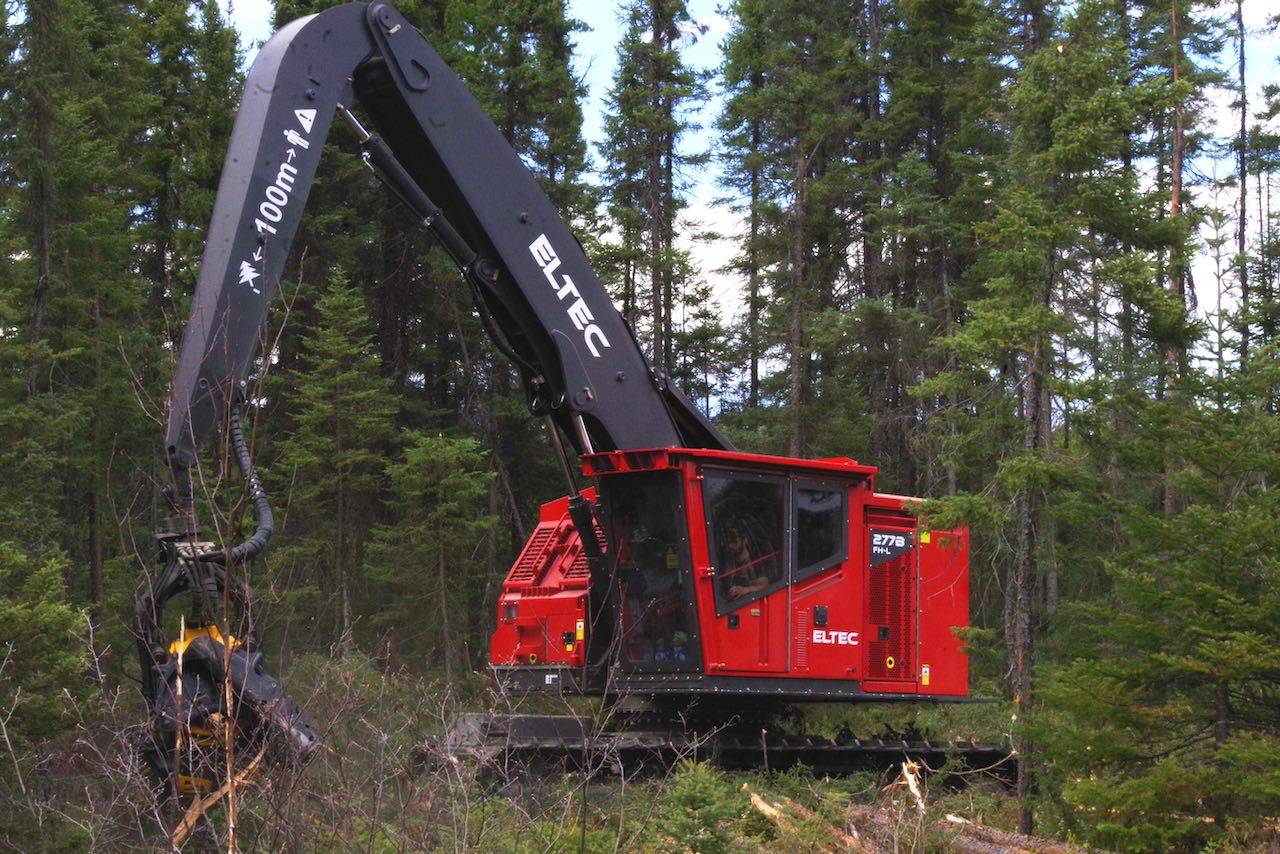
(800, 650)
(579, 568)
(880, 595)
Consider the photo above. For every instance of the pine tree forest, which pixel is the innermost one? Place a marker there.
(1019, 255)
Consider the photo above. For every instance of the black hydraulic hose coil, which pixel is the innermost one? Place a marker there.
(253, 546)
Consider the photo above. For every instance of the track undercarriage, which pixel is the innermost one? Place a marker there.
(652, 740)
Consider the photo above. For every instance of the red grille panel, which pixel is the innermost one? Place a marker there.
(892, 607)
(532, 562)
(578, 569)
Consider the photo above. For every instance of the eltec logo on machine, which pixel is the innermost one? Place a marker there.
(834, 638)
(578, 311)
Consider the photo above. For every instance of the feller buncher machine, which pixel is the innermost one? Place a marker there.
(687, 575)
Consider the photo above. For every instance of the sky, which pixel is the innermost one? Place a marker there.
(595, 62)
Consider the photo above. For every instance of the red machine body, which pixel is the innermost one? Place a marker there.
(740, 574)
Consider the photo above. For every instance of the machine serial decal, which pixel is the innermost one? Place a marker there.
(886, 545)
(833, 638)
(578, 312)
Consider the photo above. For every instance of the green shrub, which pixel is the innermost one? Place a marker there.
(699, 810)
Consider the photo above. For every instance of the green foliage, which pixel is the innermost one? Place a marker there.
(439, 507)
(645, 168)
(516, 57)
(41, 650)
(699, 807)
(333, 461)
(1164, 704)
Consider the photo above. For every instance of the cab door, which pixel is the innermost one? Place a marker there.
(656, 612)
(748, 531)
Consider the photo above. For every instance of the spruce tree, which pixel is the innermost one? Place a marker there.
(74, 112)
(516, 57)
(644, 126)
(332, 469)
(439, 508)
(793, 72)
(1162, 718)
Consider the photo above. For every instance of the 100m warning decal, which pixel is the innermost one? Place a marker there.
(277, 195)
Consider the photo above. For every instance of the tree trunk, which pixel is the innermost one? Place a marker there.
(42, 203)
(446, 635)
(344, 593)
(629, 241)
(1020, 617)
(668, 235)
(795, 329)
(753, 272)
(1177, 264)
(953, 402)
(1242, 170)
(97, 481)
(1176, 356)
(513, 507)
(654, 173)
(1034, 405)
(872, 240)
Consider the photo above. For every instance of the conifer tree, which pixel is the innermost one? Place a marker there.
(439, 510)
(1166, 700)
(1052, 229)
(195, 82)
(74, 111)
(332, 470)
(41, 676)
(516, 57)
(703, 345)
(742, 150)
(643, 129)
(807, 75)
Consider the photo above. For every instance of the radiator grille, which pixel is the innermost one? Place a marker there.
(533, 560)
(892, 606)
(880, 594)
(579, 568)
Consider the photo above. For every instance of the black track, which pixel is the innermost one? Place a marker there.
(513, 745)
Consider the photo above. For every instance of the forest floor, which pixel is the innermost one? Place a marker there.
(372, 787)
(696, 808)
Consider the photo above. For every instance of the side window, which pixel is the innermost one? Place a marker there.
(746, 522)
(821, 517)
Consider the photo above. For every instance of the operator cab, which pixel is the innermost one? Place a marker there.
(730, 573)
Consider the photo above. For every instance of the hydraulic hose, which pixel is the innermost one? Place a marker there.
(253, 546)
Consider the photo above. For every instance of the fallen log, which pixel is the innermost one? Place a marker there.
(981, 838)
(784, 813)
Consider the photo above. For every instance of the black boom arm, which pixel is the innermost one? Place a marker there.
(449, 163)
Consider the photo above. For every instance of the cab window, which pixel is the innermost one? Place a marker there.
(821, 522)
(746, 521)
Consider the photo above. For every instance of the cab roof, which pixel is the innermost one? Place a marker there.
(652, 459)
